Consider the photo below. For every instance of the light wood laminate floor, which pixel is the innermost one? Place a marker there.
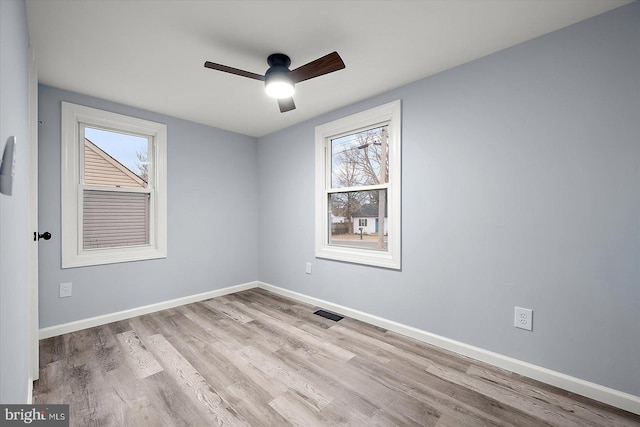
(257, 359)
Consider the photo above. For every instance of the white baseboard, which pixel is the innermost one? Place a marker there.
(91, 322)
(607, 395)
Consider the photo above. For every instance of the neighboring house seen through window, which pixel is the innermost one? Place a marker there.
(115, 208)
(114, 187)
(358, 184)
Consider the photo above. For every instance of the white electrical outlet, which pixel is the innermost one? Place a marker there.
(308, 268)
(524, 318)
(65, 290)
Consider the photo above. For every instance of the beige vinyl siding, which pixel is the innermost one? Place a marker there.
(115, 219)
(112, 218)
(103, 170)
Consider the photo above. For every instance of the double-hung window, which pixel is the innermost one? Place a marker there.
(358, 183)
(114, 204)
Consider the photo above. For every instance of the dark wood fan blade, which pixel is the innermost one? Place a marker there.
(286, 104)
(321, 66)
(232, 70)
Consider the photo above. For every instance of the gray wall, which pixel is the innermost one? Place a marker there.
(520, 187)
(212, 219)
(14, 233)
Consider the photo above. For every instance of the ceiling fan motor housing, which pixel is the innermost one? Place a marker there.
(276, 79)
(278, 60)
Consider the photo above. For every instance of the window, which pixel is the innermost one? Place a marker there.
(358, 183)
(114, 204)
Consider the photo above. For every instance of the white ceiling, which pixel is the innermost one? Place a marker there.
(150, 54)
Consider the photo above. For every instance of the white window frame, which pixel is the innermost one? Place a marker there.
(73, 118)
(387, 114)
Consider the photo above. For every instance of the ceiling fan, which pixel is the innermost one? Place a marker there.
(279, 80)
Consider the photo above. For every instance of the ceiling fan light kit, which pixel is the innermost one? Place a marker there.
(279, 87)
(279, 81)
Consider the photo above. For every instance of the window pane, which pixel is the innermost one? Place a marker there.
(113, 159)
(359, 219)
(356, 159)
(115, 219)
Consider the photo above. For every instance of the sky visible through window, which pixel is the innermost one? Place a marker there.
(122, 147)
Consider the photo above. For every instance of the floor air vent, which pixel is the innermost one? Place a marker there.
(329, 315)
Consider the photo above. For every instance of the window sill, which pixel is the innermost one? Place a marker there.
(359, 256)
(112, 256)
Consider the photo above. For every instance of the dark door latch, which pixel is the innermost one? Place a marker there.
(37, 236)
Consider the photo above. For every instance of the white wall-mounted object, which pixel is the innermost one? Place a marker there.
(65, 290)
(8, 166)
(523, 318)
